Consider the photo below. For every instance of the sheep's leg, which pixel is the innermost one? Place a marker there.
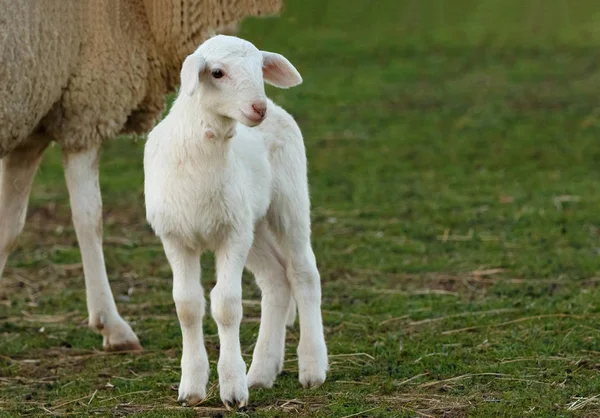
(226, 309)
(266, 263)
(17, 171)
(81, 173)
(190, 305)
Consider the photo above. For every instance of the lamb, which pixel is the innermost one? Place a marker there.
(78, 72)
(225, 171)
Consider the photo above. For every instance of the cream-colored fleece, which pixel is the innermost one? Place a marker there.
(85, 70)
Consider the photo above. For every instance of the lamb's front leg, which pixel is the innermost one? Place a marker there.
(226, 309)
(190, 305)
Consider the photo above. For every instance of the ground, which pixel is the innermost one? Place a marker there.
(454, 166)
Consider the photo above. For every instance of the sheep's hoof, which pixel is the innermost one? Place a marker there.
(124, 346)
(119, 337)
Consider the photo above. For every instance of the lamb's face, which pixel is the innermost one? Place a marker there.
(228, 74)
(232, 83)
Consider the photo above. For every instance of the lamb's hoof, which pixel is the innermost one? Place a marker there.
(234, 403)
(312, 382)
(190, 399)
(234, 392)
(191, 392)
(262, 374)
(255, 382)
(312, 375)
(313, 366)
(194, 376)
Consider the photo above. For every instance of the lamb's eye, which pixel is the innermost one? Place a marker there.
(217, 73)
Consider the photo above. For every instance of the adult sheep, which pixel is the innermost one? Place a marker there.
(78, 72)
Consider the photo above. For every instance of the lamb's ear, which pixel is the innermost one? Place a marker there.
(279, 72)
(190, 73)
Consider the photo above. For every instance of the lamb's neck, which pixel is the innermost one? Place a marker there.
(204, 130)
(217, 129)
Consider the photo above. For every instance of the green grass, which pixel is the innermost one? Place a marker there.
(454, 161)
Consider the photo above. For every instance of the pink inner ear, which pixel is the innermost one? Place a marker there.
(278, 71)
(273, 70)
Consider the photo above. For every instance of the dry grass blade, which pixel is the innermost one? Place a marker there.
(429, 355)
(408, 293)
(398, 318)
(292, 401)
(464, 376)
(447, 237)
(463, 314)
(48, 411)
(559, 200)
(487, 272)
(356, 315)
(515, 321)
(537, 359)
(580, 403)
(71, 267)
(360, 413)
(352, 355)
(410, 379)
(516, 379)
(351, 382)
(125, 394)
(421, 414)
(93, 396)
(425, 404)
(70, 402)
(48, 319)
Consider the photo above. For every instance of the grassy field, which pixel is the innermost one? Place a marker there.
(454, 152)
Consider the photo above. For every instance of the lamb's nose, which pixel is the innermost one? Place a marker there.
(260, 108)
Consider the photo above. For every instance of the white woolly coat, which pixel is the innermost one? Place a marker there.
(190, 199)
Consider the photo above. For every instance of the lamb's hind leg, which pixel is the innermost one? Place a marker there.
(306, 287)
(81, 173)
(302, 273)
(17, 171)
(266, 263)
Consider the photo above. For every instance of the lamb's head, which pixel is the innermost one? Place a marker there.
(226, 75)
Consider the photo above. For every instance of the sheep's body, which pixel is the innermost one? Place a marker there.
(213, 183)
(37, 55)
(83, 71)
(78, 72)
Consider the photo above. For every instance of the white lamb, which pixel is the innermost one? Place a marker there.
(222, 175)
